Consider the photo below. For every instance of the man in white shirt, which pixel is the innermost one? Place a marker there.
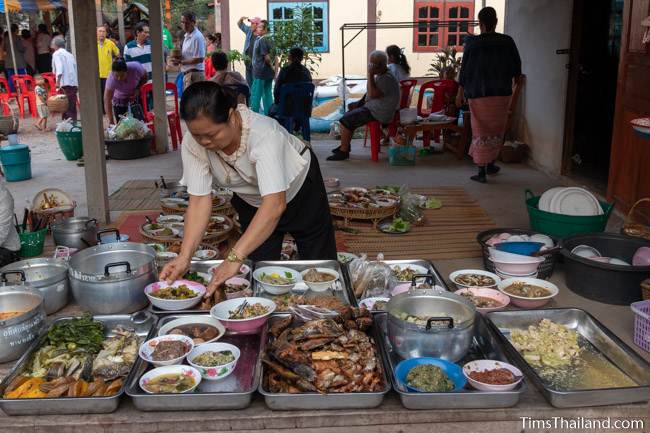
(193, 52)
(43, 55)
(64, 67)
(9, 241)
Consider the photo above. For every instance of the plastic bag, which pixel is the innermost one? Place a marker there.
(128, 128)
(372, 278)
(65, 125)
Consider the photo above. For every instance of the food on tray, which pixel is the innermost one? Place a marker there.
(217, 225)
(496, 376)
(196, 277)
(314, 276)
(547, 344)
(283, 302)
(166, 350)
(234, 288)
(198, 332)
(360, 198)
(214, 359)
(170, 383)
(481, 301)
(429, 378)
(526, 290)
(277, 279)
(6, 315)
(164, 232)
(248, 312)
(154, 226)
(76, 360)
(177, 293)
(475, 280)
(379, 305)
(404, 273)
(398, 225)
(324, 356)
(344, 258)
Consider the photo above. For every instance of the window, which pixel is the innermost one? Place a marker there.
(429, 36)
(284, 10)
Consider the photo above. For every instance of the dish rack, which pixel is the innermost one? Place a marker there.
(642, 324)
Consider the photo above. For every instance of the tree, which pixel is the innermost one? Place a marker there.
(297, 32)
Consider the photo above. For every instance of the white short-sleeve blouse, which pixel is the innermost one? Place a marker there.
(268, 161)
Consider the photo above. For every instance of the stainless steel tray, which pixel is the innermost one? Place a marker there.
(197, 266)
(233, 392)
(142, 322)
(315, 401)
(484, 346)
(341, 291)
(604, 342)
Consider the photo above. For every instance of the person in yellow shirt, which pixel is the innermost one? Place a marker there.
(106, 52)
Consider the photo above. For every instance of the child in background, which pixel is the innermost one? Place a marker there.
(41, 104)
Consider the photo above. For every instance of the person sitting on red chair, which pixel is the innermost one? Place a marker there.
(380, 103)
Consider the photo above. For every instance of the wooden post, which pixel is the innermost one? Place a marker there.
(73, 43)
(217, 16)
(120, 21)
(90, 96)
(100, 16)
(225, 25)
(158, 74)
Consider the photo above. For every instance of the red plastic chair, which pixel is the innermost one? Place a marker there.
(50, 79)
(173, 117)
(442, 91)
(25, 85)
(375, 128)
(5, 95)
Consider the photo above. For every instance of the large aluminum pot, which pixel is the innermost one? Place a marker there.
(17, 333)
(446, 330)
(110, 278)
(76, 232)
(49, 276)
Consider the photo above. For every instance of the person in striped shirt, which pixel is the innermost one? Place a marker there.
(139, 49)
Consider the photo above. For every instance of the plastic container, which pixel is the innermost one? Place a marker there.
(401, 155)
(605, 282)
(128, 149)
(559, 225)
(31, 243)
(71, 143)
(16, 162)
(642, 324)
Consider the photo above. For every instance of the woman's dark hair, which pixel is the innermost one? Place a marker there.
(212, 37)
(25, 34)
(139, 28)
(296, 54)
(208, 99)
(396, 55)
(42, 28)
(119, 65)
(488, 17)
(190, 16)
(219, 60)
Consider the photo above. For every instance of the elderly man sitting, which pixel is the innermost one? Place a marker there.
(380, 103)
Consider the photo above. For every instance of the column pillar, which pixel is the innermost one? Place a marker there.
(158, 74)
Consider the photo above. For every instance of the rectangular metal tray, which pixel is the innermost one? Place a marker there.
(484, 346)
(315, 401)
(197, 266)
(609, 345)
(233, 392)
(425, 263)
(342, 291)
(142, 322)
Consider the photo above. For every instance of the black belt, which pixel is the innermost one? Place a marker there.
(304, 149)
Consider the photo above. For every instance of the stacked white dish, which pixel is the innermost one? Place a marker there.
(508, 265)
(570, 201)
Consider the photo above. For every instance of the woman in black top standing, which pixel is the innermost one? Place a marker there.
(491, 66)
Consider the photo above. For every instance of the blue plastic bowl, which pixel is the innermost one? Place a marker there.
(523, 248)
(453, 371)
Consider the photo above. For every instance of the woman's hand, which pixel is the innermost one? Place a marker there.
(224, 271)
(174, 270)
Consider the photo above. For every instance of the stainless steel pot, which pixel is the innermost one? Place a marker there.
(76, 232)
(110, 278)
(49, 276)
(17, 333)
(448, 329)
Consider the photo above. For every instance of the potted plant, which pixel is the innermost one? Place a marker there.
(298, 32)
(446, 59)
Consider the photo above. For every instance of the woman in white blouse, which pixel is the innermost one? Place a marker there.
(275, 178)
(9, 241)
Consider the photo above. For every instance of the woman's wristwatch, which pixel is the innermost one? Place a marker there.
(233, 257)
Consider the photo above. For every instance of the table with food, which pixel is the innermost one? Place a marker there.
(98, 340)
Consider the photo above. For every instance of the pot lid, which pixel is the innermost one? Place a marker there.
(39, 271)
(74, 225)
(113, 262)
(425, 304)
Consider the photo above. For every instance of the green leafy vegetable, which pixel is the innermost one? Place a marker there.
(288, 275)
(433, 203)
(82, 332)
(398, 226)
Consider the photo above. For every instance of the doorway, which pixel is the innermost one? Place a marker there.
(593, 69)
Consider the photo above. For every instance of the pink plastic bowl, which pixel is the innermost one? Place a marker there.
(221, 312)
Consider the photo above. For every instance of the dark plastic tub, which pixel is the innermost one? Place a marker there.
(128, 149)
(603, 282)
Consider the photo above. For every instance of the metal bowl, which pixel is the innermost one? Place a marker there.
(49, 276)
(17, 333)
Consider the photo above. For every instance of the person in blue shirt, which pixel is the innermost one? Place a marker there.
(249, 44)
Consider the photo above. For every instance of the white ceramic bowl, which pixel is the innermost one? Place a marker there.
(217, 372)
(191, 320)
(487, 364)
(524, 302)
(205, 254)
(171, 369)
(222, 310)
(519, 267)
(419, 270)
(320, 287)
(458, 273)
(238, 281)
(276, 289)
(505, 275)
(585, 251)
(164, 219)
(503, 256)
(500, 297)
(546, 240)
(147, 348)
(174, 304)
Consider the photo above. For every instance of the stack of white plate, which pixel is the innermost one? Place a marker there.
(509, 265)
(570, 201)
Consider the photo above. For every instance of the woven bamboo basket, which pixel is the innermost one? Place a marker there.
(213, 239)
(167, 210)
(633, 228)
(57, 103)
(645, 289)
(372, 214)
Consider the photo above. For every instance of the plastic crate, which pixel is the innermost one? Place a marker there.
(642, 324)
(401, 155)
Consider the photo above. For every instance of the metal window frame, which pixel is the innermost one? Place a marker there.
(326, 26)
